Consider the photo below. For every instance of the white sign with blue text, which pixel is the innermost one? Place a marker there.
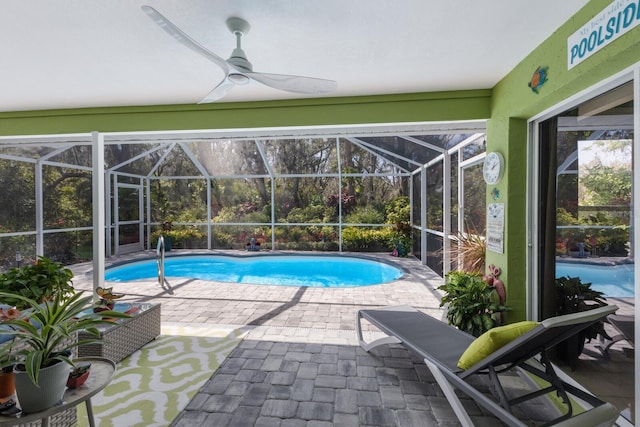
(612, 22)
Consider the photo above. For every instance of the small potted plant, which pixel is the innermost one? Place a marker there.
(44, 336)
(78, 375)
(580, 250)
(7, 383)
(253, 244)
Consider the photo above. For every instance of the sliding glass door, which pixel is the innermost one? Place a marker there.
(584, 225)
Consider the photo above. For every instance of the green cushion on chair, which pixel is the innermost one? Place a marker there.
(491, 341)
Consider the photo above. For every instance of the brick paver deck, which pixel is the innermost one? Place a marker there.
(299, 363)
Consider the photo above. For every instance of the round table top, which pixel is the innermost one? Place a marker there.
(101, 373)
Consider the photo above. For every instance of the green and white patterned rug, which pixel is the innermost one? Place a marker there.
(154, 384)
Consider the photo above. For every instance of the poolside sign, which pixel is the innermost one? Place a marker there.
(612, 22)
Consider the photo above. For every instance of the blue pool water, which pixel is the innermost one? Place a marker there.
(612, 280)
(315, 271)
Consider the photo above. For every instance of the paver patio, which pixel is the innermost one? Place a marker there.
(299, 363)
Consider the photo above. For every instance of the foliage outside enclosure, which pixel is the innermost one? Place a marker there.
(307, 203)
(593, 214)
(315, 189)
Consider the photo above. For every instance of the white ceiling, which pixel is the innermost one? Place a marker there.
(93, 53)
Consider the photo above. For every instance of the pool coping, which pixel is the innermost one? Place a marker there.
(608, 261)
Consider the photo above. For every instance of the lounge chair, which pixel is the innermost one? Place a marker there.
(442, 345)
(625, 327)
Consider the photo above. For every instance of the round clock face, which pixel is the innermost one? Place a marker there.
(493, 168)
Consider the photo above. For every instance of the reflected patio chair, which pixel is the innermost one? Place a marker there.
(624, 325)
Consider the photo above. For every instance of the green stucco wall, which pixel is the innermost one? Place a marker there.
(420, 107)
(513, 103)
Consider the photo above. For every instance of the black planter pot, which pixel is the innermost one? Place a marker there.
(168, 243)
(568, 351)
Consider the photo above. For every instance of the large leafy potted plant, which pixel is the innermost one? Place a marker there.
(44, 336)
(472, 305)
(39, 281)
(574, 296)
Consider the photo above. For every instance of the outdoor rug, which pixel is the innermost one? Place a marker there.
(153, 385)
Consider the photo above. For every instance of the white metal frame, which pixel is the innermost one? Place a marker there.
(445, 234)
(168, 140)
(139, 221)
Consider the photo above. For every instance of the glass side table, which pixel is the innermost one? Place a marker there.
(102, 371)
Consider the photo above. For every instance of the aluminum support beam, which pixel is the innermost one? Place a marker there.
(97, 154)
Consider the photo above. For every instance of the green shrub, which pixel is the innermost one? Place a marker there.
(564, 217)
(240, 214)
(600, 241)
(220, 239)
(398, 211)
(314, 237)
(183, 237)
(368, 239)
(226, 214)
(364, 215)
(311, 213)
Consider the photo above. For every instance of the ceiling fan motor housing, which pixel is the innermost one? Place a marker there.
(239, 60)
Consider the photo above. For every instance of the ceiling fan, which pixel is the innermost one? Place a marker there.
(238, 70)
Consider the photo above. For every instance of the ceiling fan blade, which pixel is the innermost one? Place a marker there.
(183, 38)
(218, 92)
(299, 84)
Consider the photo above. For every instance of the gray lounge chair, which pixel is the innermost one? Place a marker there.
(624, 325)
(441, 345)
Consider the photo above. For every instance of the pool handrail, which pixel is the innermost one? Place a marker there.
(160, 259)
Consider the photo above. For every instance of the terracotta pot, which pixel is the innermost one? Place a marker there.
(7, 384)
(74, 382)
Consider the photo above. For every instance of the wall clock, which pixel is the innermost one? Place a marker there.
(493, 168)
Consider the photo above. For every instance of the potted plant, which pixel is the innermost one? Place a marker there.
(472, 305)
(469, 250)
(574, 296)
(253, 244)
(44, 336)
(167, 227)
(39, 281)
(78, 375)
(579, 250)
(7, 383)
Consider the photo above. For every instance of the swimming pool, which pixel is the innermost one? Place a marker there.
(612, 280)
(324, 271)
